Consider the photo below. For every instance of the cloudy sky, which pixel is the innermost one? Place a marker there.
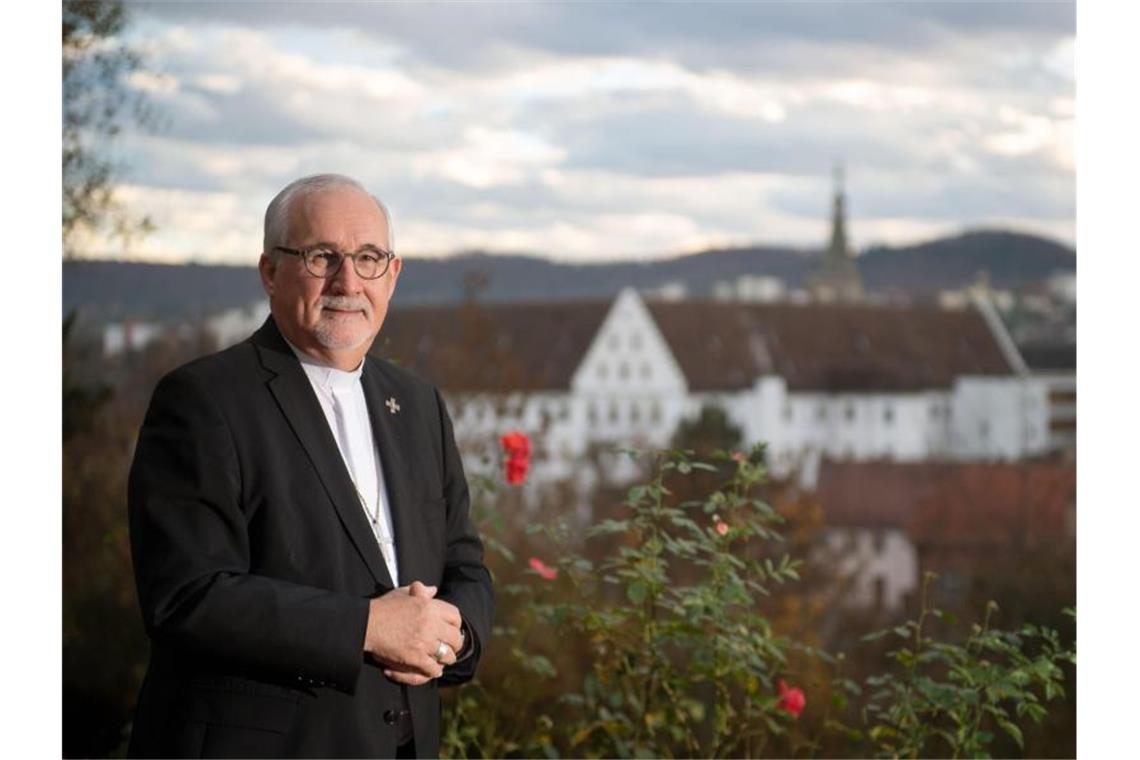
(588, 131)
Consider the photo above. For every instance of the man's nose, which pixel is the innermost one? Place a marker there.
(346, 280)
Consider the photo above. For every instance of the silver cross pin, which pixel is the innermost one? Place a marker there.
(393, 407)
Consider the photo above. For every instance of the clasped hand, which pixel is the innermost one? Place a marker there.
(405, 628)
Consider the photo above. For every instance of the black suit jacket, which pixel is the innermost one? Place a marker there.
(255, 562)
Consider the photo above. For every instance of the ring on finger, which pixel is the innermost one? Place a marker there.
(441, 651)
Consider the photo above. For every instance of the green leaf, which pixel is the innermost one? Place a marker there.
(636, 592)
(535, 663)
(608, 526)
(1012, 729)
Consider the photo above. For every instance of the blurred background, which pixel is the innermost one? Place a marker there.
(844, 230)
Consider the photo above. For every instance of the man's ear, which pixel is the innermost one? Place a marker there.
(267, 268)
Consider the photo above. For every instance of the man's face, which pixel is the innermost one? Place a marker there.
(334, 318)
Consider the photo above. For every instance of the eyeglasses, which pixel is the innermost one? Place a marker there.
(370, 262)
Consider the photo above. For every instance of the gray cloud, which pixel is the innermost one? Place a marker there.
(423, 103)
(742, 36)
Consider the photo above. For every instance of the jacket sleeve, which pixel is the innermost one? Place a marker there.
(191, 552)
(466, 582)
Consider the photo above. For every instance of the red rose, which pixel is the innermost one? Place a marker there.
(792, 700)
(514, 469)
(545, 571)
(722, 528)
(516, 446)
(515, 443)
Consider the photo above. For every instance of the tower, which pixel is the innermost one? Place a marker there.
(838, 277)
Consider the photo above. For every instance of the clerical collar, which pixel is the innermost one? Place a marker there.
(325, 375)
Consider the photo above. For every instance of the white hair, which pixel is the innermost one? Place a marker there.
(277, 212)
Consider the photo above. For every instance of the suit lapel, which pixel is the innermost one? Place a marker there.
(389, 428)
(294, 395)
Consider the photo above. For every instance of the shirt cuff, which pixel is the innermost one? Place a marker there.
(468, 644)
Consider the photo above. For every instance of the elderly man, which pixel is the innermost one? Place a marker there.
(306, 566)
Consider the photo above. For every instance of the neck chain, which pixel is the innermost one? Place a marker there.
(387, 544)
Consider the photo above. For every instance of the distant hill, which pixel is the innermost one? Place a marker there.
(111, 290)
(1012, 260)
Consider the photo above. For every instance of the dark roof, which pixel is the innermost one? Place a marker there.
(827, 347)
(999, 504)
(493, 347)
(956, 504)
(874, 494)
(1049, 356)
(719, 346)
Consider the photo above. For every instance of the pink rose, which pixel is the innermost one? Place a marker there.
(544, 571)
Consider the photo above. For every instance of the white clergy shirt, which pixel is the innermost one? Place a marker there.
(342, 400)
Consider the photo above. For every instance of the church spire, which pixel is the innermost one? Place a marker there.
(838, 279)
(838, 249)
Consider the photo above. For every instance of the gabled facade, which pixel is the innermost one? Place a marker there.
(628, 386)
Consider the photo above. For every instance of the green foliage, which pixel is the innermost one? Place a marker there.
(711, 430)
(944, 698)
(651, 643)
(682, 661)
(81, 403)
(685, 625)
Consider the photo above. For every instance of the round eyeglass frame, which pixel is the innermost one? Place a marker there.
(304, 255)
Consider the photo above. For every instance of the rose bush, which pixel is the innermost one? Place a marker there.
(644, 637)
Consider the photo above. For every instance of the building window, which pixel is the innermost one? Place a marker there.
(592, 412)
(821, 412)
(655, 412)
(787, 412)
(635, 341)
(613, 412)
(603, 371)
(888, 414)
(984, 429)
(613, 342)
(645, 372)
(849, 411)
(623, 371)
(634, 413)
(878, 541)
(934, 411)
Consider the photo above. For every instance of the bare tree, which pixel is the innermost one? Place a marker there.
(97, 103)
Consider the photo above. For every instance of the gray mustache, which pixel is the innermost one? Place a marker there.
(345, 303)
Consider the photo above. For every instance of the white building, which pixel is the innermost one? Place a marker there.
(1055, 364)
(845, 381)
(123, 337)
(757, 288)
(235, 325)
